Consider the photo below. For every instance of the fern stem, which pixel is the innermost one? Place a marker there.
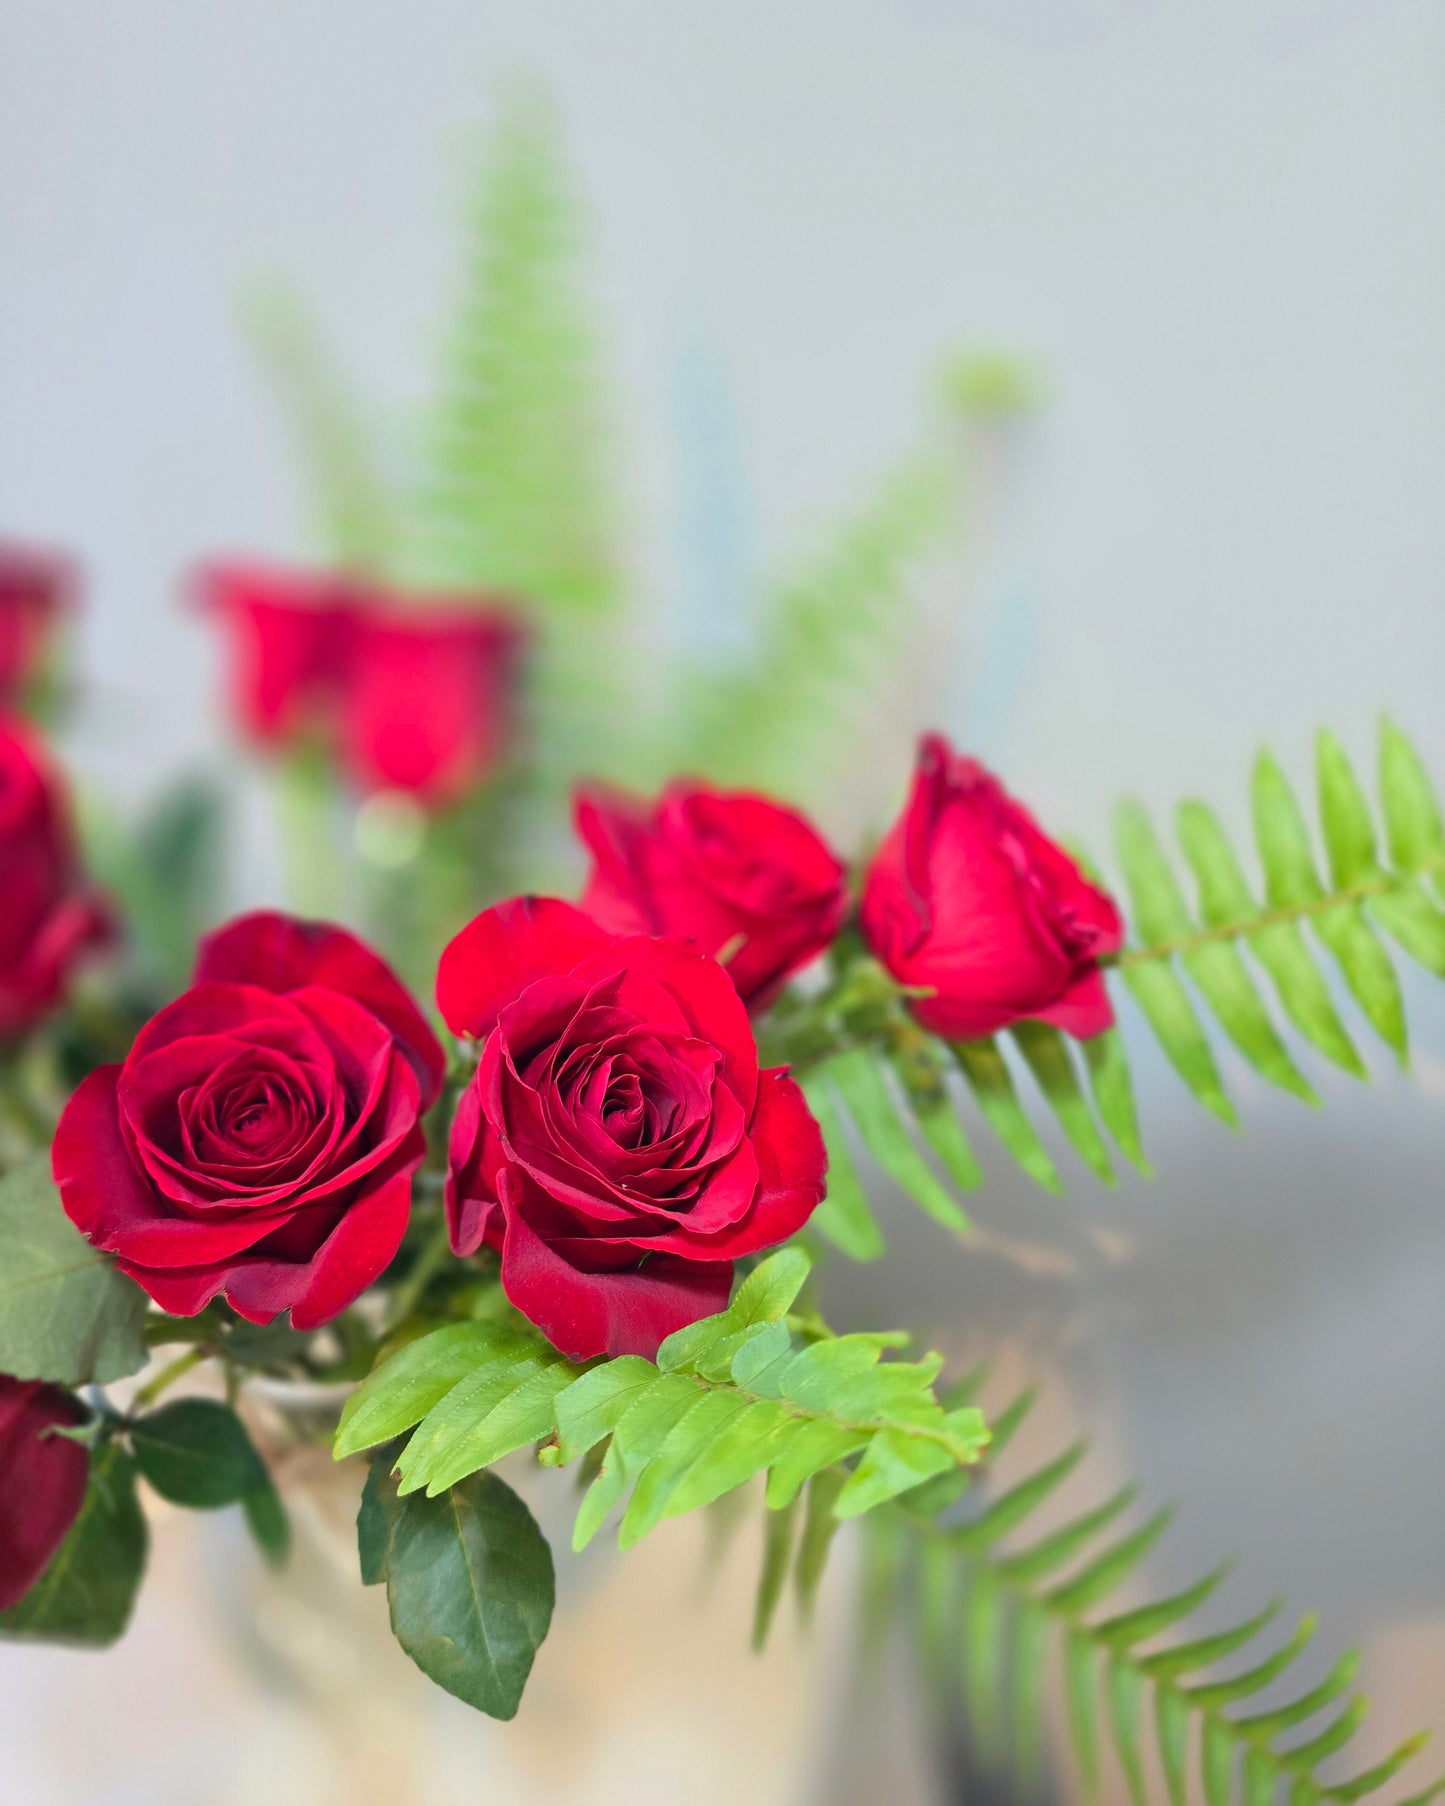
(1272, 918)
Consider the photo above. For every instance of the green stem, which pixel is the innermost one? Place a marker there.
(434, 1254)
(1273, 918)
(169, 1374)
(306, 810)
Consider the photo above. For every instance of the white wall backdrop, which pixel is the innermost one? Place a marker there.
(1219, 230)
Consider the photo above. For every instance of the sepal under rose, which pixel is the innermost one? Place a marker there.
(618, 1144)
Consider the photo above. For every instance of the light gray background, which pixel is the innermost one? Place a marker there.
(1218, 229)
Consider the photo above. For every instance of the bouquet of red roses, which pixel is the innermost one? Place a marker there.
(578, 1199)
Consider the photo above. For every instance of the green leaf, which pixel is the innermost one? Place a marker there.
(1046, 1054)
(639, 1433)
(1409, 917)
(777, 1553)
(1204, 1652)
(1013, 1507)
(993, 1088)
(1171, 1726)
(468, 1579)
(1060, 1547)
(765, 1296)
(67, 1314)
(1165, 1003)
(1145, 1621)
(88, 1589)
(845, 1217)
(859, 1082)
(499, 1407)
(1367, 971)
(1226, 901)
(1123, 1687)
(1216, 1759)
(1414, 831)
(1345, 815)
(944, 1134)
(1113, 1091)
(1080, 1705)
(591, 1406)
(820, 1523)
(399, 1393)
(1212, 1695)
(269, 1523)
(1283, 838)
(1105, 1572)
(196, 1452)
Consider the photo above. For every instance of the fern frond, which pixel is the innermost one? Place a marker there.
(515, 496)
(775, 719)
(354, 515)
(1206, 950)
(727, 1398)
(993, 1608)
(1367, 890)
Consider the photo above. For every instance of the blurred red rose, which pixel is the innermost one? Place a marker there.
(968, 897)
(745, 878)
(260, 1137)
(42, 1480)
(35, 588)
(618, 1143)
(413, 693)
(286, 636)
(428, 696)
(48, 917)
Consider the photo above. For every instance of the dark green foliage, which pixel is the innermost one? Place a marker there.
(468, 1579)
(86, 1593)
(66, 1312)
(196, 1452)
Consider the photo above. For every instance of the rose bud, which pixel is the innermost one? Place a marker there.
(260, 1137)
(42, 1480)
(35, 589)
(969, 898)
(286, 635)
(48, 917)
(618, 1143)
(746, 879)
(428, 697)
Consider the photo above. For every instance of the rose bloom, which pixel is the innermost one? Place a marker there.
(968, 897)
(427, 697)
(35, 588)
(286, 634)
(260, 1137)
(42, 1480)
(618, 1143)
(48, 916)
(745, 878)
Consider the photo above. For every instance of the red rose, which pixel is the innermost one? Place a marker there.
(287, 634)
(618, 1143)
(47, 916)
(42, 1480)
(742, 876)
(259, 1139)
(427, 700)
(969, 897)
(35, 587)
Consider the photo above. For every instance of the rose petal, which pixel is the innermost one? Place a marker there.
(792, 1166)
(505, 949)
(613, 1313)
(281, 953)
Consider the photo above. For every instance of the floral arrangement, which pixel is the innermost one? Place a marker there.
(525, 1174)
